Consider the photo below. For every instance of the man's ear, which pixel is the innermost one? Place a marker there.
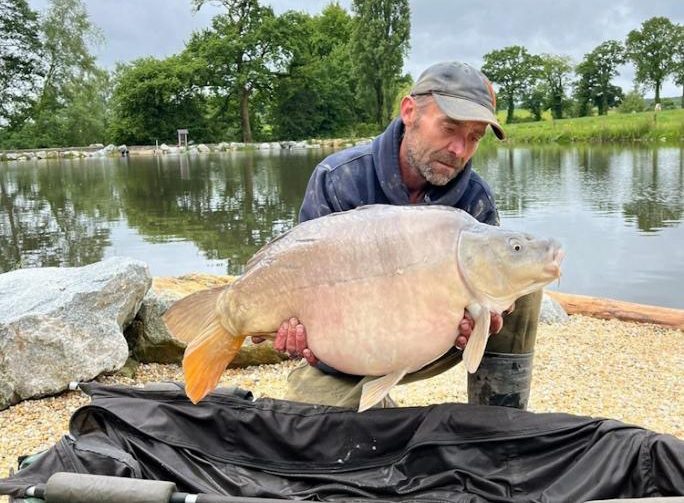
(408, 110)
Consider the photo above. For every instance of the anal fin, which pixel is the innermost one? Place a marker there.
(377, 389)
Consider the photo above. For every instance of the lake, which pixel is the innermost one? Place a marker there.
(616, 209)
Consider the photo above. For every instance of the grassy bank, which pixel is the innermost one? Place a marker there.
(665, 126)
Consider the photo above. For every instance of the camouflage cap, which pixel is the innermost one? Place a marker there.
(462, 92)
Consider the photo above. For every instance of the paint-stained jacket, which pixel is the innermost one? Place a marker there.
(369, 174)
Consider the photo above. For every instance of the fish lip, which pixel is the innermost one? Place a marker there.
(554, 268)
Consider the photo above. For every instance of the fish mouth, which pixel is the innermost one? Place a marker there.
(554, 267)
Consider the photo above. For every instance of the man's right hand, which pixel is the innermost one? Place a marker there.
(291, 338)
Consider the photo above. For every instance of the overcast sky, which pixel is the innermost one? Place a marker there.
(441, 30)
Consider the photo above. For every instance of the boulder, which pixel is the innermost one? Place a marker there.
(64, 324)
(203, 149)
(151, 342)
(552, 311)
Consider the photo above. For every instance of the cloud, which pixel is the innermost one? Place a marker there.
(440, 29)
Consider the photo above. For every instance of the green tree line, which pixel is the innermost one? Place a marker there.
(254, 75)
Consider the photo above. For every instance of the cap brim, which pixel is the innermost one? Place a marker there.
(465, 110)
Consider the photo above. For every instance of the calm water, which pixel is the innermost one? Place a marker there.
(618, 211)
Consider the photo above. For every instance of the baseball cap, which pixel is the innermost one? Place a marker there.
(462, 92)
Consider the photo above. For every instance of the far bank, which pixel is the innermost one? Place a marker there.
(666, 126)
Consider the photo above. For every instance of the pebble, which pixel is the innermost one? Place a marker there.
(589, 367)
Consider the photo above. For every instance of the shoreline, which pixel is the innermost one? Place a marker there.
(643, 128)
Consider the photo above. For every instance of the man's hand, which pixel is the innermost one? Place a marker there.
(291, 338)
(465, 329)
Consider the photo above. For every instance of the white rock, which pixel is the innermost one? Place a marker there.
(63, 324)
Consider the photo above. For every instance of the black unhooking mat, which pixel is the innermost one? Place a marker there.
(229, 444)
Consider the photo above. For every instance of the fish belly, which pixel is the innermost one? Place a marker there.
(377, 290)
(379, 326)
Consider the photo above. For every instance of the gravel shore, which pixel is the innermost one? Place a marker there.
(625, 371)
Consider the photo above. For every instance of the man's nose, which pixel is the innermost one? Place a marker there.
(457, 145)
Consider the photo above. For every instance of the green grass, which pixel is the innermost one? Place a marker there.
(665, 126)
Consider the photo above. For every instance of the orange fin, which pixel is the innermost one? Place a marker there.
(187, 317)
(194, 319)
(206, 357)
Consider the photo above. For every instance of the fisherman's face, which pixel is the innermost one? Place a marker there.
(437, 146)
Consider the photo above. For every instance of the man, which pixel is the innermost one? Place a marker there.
(423, 157)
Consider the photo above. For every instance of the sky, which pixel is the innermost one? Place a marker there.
(441, 30)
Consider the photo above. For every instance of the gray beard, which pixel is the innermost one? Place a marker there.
(434, 178)
(426, 170)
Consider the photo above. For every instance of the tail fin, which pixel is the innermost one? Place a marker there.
(474, 350)
(186, 318)
(206, 357)
(211, 347)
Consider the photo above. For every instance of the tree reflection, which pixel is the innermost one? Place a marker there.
(54, 215)
(522, 176)
(230, 204)
(657, 191)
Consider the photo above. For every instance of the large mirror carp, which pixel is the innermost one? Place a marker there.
(380, 289)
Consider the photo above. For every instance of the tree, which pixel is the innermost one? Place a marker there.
(19, 61)
(535, 99)
(679, 61)
(242, 54)
(67, 31)
(596, 71)
(69, 75)
(379, 44)
(555, 71)
(84, 120)
(633, 102)
(316, 96)
(515, 70)
(653, 52)
(153, 98)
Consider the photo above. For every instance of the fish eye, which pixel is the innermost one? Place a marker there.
(515, 245)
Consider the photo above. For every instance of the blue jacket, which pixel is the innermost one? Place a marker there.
(369, 174)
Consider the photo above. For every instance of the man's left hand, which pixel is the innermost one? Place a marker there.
(465, 329)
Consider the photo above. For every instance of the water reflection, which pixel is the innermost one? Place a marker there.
(618, 211)
(646, 186)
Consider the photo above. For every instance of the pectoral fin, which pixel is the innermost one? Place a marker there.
(377, 389)
(474, 350)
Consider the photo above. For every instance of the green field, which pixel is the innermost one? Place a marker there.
(665, 126)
